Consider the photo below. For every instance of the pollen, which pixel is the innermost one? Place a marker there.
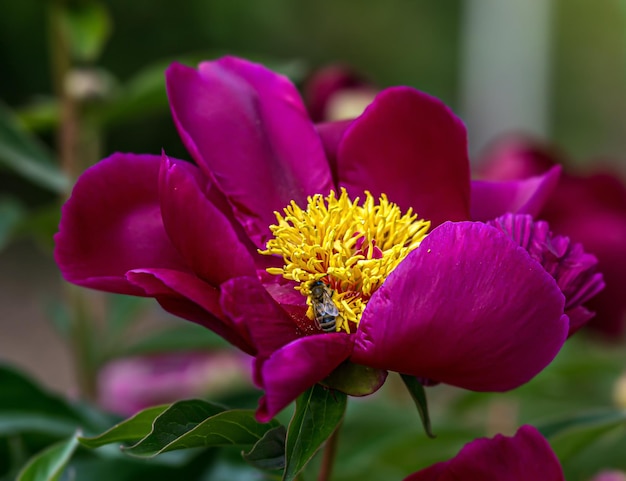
(349, 245)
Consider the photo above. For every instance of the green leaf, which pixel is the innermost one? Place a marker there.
(87, 27)
(49, 464)
(12, 422)
(27, 408)
(11, 213)
(200, 425)
(24, 155)
(21, 395)
(318, 413)
(416, 389)
(269, 451)
(142, 94)
(570, 436)
(185, 424)
(130, 430)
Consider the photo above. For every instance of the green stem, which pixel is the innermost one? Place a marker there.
(328, 459)
(74, 157)
(81, 337)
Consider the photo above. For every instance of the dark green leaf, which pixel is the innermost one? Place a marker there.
(269, 451)
(196, 424)
(560, 426)
(143, 94)
(49, 464)
(11, 213)
(570, 436)
(416, 389)
(20, 395)
(24, 155)
(130, 430)
(87, 27)
(12, 422)
(41, 224)
(318, 413)
(185, 424)
(40, 115)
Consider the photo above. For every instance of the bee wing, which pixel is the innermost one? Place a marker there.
(330, 308)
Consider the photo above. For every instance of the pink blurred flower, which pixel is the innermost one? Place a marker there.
(337, 92)
(129, 385)
(468, 304)
(590, 208)
(523, 457)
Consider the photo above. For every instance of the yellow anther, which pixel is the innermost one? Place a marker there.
(351, 247)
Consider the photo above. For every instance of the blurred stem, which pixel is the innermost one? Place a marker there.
(78, 145)
(82, 342)
(67, 132)
(328, 459)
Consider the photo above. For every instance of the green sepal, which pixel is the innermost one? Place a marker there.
(418, 393)
(355, 379)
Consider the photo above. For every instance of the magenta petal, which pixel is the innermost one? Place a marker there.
(112, 224)
(290, 371)
(411, 147)
(331, 134)
(468, 308)
(528, 196)
(186, 296)
(200, 232)
(248, 130)
(523, 457)
(247, 303)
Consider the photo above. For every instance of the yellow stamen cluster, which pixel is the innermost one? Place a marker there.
(352, 248)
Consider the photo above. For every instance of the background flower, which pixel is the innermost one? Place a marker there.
(129, 385)
(588, 207)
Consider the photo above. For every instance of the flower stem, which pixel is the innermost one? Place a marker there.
(328, 459)
(74, 156)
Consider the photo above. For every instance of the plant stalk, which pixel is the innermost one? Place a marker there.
(328, 459)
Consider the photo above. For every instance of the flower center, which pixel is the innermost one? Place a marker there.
(340, 252)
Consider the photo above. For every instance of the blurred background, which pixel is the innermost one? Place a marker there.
(82, 79)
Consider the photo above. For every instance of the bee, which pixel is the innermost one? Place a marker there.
(324, 309)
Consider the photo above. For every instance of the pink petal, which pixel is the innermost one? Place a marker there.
(411, 147)
(186, 296)
(200, 232)
(523, 457)
(468, 308)
(112, 224)
(293, 369)
(528, 196)
(331, 134)
(248, 130)
(248, 304)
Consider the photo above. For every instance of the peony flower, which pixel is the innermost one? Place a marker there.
(332, 253)
(128, 385)
(527, 455)
(589, 208)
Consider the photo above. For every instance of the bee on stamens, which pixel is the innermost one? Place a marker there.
(324, 309)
